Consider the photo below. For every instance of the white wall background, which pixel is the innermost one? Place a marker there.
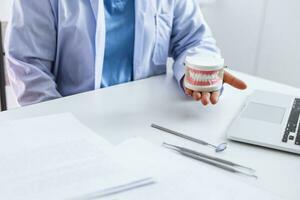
(5, 9)
(236, 25)
(279, 55)
(260, 37)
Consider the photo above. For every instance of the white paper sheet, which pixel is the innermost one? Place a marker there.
(181, 178)
(56, 157)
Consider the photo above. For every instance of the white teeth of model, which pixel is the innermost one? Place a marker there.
(215, 76)
(198, 77)
(206, 77)
(203, 77)
(193, 75)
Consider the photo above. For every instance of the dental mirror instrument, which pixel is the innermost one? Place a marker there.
(218, 148)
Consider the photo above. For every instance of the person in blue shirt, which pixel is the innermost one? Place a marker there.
(57, 48)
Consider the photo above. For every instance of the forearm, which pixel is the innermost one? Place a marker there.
(30, 84)
(191, 35)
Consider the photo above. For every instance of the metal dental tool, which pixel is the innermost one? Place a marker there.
(217, 162)
(218, 148)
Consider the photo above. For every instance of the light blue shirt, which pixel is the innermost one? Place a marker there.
(119, 42)
(56, 48)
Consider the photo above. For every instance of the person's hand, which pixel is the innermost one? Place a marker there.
(213, 97)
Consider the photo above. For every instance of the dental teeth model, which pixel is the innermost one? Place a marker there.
(204, 74)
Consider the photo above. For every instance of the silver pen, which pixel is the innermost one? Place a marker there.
(217, 162)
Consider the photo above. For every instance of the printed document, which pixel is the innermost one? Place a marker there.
(56, 157)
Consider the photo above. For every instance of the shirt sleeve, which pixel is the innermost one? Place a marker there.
(31, 48)
(190, 35)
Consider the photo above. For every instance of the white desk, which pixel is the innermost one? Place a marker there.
(127, 110)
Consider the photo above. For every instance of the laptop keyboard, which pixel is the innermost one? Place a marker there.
(291, 131)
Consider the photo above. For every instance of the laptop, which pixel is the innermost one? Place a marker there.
(270, 120)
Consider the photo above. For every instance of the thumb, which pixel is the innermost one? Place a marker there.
(233, 81)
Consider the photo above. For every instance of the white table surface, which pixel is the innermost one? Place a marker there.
(127, 110)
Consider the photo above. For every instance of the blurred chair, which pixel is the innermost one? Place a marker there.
(3, 76)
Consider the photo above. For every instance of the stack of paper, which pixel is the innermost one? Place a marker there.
(181, 178)
(56, 157)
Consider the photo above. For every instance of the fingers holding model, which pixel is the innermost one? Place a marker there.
(204, 78)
